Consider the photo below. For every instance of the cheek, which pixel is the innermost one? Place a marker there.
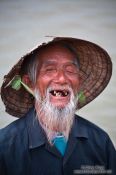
(75, 84)
(42, 84)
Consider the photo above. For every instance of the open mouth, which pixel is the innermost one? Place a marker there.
(59, 93)
(59, 97)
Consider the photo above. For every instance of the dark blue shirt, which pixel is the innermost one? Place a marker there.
(24, 150)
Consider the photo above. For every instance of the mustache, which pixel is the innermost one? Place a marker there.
(59, 88)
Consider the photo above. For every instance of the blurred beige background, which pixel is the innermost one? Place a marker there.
(25, 23)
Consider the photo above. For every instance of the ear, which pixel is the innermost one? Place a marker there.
(28, 82)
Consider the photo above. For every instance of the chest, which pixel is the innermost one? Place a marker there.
(46, 160)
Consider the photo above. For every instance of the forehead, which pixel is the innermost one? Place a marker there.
(56, 54)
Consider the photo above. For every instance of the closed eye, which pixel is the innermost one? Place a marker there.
(50, 69)
(72, 69)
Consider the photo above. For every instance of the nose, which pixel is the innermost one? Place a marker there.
(61, 77)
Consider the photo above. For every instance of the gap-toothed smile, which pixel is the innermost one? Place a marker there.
(59, 93)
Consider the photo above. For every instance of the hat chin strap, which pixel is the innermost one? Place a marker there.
(27, 88)
(16, 83)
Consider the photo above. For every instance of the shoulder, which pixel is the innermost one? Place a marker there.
(17, 128)
(94, 132)
(89, 125)
(11, 131)
(97, 139)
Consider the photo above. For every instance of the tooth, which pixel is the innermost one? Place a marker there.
(56, 94)
(59, 94)
(65, 93)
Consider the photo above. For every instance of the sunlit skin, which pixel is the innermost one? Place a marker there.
(56, 65)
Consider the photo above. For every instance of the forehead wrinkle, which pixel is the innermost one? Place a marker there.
(48, 62)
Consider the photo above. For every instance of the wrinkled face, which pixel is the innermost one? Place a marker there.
(58, 71)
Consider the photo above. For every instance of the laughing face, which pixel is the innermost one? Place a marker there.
(58, 72)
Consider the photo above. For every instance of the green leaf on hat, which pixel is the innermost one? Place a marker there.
(81, 97)
(16, 83)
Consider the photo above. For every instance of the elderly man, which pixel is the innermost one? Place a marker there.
(44, 89)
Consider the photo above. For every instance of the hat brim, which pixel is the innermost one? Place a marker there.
(95, 72)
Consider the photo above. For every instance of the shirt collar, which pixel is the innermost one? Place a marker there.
(79, 128)
(35, 131)
(37, 136)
